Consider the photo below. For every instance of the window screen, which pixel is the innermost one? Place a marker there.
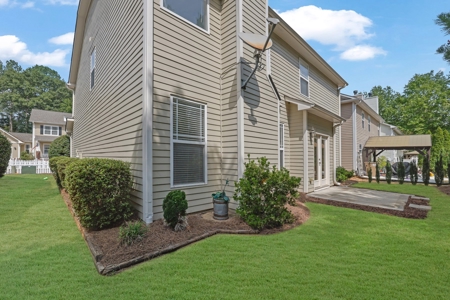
(194, 11)
(188, 142)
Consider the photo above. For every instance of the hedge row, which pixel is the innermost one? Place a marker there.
(99, 189)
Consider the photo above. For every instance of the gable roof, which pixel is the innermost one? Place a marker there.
(345, 99)
(20, 137)
(49, 117)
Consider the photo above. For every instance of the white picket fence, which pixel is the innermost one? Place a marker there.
(15, 166)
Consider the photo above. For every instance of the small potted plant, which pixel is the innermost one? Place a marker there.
(220, 203)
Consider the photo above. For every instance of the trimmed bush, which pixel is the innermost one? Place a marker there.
(439, 171)
(369, 174)
(388, 172)
(5, 154)
(60, 147)
(414, 172)
(174, 207)
(26, 156)
(61, 166)
(342, 174)
(131, 232)
(53, 163)
(448, 172)
(401, 172)
(100, 191)
(262, 194)
(426, 170)
(377, 172)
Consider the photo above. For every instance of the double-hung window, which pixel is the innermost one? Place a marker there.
(50, 130)
(188, 142)
(362, 118)
(368, 123)
(93, 61)
(304, 79)
(195, 12)
(281, 145)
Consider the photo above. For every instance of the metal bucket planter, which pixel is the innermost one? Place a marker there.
(220, 209)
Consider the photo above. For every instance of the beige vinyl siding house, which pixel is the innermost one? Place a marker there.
(20, 142)
(166, 97)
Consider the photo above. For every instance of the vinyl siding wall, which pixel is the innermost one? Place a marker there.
(187, 64)
(363, 134)
(347, 136)
(108, 118)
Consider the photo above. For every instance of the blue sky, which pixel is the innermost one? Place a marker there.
(369, 43)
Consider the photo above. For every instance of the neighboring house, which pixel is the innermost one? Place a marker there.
(47, 126)
(362, 122)
(410, 156)
(390, 130)
(20, 142)
(158, 84)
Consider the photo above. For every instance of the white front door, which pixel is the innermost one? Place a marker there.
(321, 162)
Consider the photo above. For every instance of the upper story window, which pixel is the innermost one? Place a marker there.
(51, 130)
(193, 11)
(188, 142)
(93, 60)
(362, 117)
(368, 123)
(304, 79)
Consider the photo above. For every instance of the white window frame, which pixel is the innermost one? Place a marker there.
(368, 123)
(46, 146)
(92, 63)
(208, 16)
(305, 65)
(282, 162)
(172, 141)
(51, 130)
(363, 116)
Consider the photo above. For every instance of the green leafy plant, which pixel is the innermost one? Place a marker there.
(382, 161)
(100, 191)
(342, 174)
(60, 147)
(5, 154)
(448, 172)
(26, 156)
(439, 171)
(221, 195)
(263, 192)
(388, 172)
(174, 208)
(426, 170)
(414, 172)
(401, 171)
(377, 172)
(61, 167)
(131, 232)
(369, 173)
(53, 163)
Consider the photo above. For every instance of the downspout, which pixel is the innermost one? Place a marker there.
(334, 138)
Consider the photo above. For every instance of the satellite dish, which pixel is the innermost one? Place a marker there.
(256, 41)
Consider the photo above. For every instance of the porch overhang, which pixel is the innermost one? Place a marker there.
(316, 110)
(419, 143)
(69, 125)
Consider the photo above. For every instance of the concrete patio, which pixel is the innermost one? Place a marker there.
(373, 198)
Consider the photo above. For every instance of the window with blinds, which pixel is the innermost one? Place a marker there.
(282, 145)
(188, 142)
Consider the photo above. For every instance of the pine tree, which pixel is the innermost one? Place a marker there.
(401, 171)
(443, 20)
(369, 173)
(377, 173)
(414, 172)
(439, 171)
(388, 172)
(426, 170)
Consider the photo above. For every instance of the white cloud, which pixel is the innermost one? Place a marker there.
(343, 29)
(62, 2)
(362, 52)
(12, 48)
(65, 39)
(28, 4)
(4, 2)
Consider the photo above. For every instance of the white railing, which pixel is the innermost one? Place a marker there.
(15, 166)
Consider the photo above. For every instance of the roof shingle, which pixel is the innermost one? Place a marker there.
(48, 117)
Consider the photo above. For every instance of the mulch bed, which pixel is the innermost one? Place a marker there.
(111, 256)
(445, 189)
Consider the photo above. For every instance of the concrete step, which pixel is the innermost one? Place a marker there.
(422, 207)
(420, 198)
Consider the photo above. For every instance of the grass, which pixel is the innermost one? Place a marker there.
(338, 254)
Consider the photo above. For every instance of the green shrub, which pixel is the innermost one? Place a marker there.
(413, 171)
(60, 147)
(61, 166)
(439, 171)
(377, 172)
(388, 172)
(174, 207)
(401, 171)
(448, 172)
(53, 163)
(5, 154)
(131, 232)
(100, 191)
(263, 192)
(369, 174)
(426, 170)
(342, 174)
(26, 156)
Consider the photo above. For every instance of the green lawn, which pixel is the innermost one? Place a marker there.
(338, 254)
